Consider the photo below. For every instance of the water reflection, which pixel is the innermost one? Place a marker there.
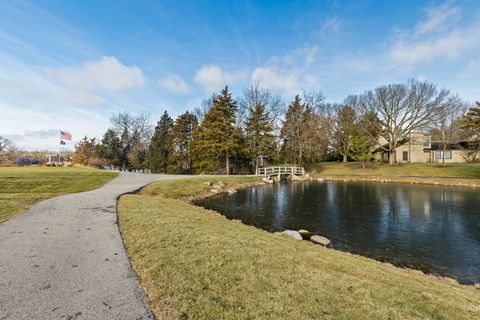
(431, 228)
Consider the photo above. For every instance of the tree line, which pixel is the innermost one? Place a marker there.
(228, 135)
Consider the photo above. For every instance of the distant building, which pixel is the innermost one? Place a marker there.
(418, 147)
(57, 159)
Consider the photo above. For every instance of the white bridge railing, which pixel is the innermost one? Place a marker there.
(286, 170)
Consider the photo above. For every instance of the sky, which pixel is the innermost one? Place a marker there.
(70, 65)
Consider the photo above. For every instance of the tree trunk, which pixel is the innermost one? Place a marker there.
(345, 159)
(256, 165)
(391, 157)
(227, 164)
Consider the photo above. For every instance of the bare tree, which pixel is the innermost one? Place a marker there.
(403, 108)
(9, 152)
(257, 95)
(206, 104)
(447, 124)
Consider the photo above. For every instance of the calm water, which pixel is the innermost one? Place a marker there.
(431, 228)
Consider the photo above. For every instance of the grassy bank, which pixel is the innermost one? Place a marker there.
(195, 264)
(458, 174)
(21, 187)
(460, 170)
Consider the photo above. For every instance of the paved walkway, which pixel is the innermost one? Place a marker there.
(64, 259)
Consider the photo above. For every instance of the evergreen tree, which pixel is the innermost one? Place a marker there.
(111, 148)
(259, 137)
(159, 145)
(217, 137)
(179, 156)
(345, 128)
(292, 131)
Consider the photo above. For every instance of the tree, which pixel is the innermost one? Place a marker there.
(403, 108)
(259, 137)
(111, 148)
(362, 145)
(132, 130)
(9, 152)
(179, 155)
(305, 129)
(446, 126)
(345, 129)
(217, 137)
(84, 151)
(470, 130)
(159, 145)
(292, 131)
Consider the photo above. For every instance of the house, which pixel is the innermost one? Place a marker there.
(418, 147)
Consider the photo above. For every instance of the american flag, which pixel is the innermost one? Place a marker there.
(65, 136)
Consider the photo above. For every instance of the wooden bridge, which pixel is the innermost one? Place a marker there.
(281, 172)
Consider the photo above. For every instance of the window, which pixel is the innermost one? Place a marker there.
(405, 155)
(439, 154)
(426, 141)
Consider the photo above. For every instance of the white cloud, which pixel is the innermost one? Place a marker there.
(175, 84)
(438, 18)
(438, 36)
(107, 74)
(332, 25)
(212, 78)
(289, 74)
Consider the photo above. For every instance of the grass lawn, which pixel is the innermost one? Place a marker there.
(469, 170)
(196, 264)
(21, 187)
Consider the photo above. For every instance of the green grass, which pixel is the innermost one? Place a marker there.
(196, 264)
(470, 170)
(22, 187)
(191, 187)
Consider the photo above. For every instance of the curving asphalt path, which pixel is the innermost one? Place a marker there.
(64, 258)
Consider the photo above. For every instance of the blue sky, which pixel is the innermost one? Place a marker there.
(71, 64)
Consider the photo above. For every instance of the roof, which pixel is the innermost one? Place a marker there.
(459, 145)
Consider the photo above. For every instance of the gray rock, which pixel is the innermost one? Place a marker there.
(232, 191)
(214, 191)
(293, 234)
(267, 180)
(221, 183)
(208, 183)
(320, 240)
(305, 234)
(217, 186)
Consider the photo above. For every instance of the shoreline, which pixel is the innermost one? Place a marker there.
(434, 181)
(191, 200)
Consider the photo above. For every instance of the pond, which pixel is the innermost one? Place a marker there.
(431, 228)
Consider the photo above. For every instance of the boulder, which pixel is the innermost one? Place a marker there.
(320, 240)
(208, 183)
(217, 186)
(221, 183)
(232, 191)
(214, 191)
(267, 180)
(305, 234)
(293, 234)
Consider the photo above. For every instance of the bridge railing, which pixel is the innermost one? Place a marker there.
(271, 171)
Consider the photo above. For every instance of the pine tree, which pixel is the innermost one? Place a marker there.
(217, 137)
(292, 131)
(159, 145)
(179, 156)
(111, 148)
(259, 137)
